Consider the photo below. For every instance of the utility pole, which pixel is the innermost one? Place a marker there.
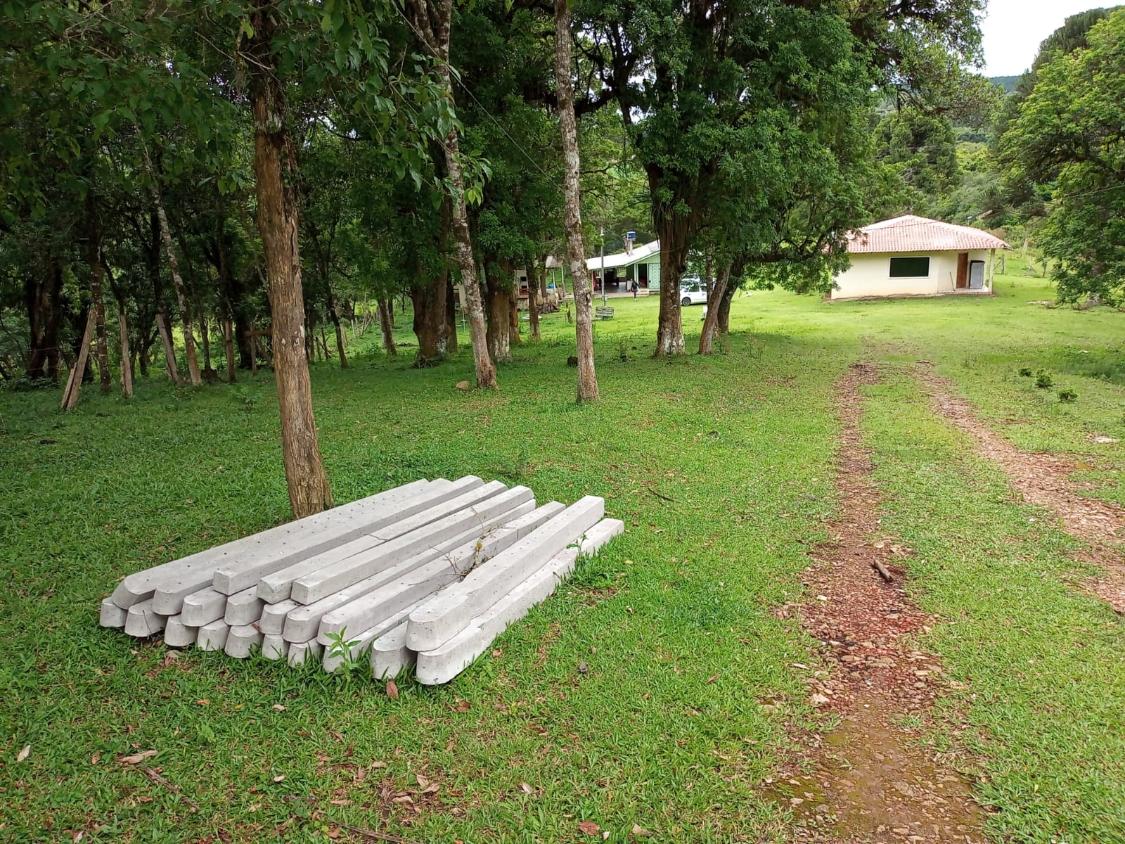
(602, 232)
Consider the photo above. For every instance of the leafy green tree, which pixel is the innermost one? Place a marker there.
(696, 80)
(1024, 201)
(1069, 134)
(921, 151)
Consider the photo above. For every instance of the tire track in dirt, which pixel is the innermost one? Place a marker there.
(1044, 481)
(870, 779)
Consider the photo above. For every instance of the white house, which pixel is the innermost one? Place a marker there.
(621, 269)
(915, 256)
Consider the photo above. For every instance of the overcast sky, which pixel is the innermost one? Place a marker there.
(1013, 29)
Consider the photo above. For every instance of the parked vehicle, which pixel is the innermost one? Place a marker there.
(692, 292)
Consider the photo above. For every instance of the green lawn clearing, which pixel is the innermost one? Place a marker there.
(655, 688)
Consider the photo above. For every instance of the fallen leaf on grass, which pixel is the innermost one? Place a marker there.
(589, 827)
(640, 832)
(136, 758)
(279, 778)
(95, 759)
(277, 707)
(462, 706)
(526, 789)
(392, 690)
(818, 699)
(25, 751)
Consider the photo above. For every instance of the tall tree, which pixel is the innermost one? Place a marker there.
(274, 171)
(432, 21)
(694, 80)
(1069, 135)
(575, 252)
(182, 298)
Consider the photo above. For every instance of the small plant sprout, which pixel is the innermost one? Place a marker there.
(1025, 371)
(1068, 396)
(343, 649)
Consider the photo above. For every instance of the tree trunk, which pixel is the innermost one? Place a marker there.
(42, 295)
(433, 20)
(228, 348)
(205, 338)
(429, 325)
(575, 251)
(164, 326)
(450, 317)
(483, 365)
(278, 224)
(497, 333)
(723, 322)
(714, 302)
(126, 355)
(78, 371)
(335, 317)
(94, 261)
(514, 338)
(533, 301)
(174, 270)
(673, 231)
(386, 326)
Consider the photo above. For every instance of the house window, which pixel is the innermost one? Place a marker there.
(910, 267)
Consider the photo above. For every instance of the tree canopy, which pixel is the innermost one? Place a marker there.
(1068, 137)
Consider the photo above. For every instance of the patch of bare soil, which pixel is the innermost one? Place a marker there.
(871, 779)
(1044, 480)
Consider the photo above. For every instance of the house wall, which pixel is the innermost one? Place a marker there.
(870, 275)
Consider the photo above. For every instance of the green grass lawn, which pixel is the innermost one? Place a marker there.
(689, 685)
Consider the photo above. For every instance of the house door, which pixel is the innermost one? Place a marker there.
(962, 270)
(976, 275)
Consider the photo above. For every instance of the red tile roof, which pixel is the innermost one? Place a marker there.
(919, 234)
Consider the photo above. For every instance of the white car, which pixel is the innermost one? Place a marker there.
(692, 292)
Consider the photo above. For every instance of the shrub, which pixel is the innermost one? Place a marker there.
(1043, 380)
(1025, 371)
(1068, 396)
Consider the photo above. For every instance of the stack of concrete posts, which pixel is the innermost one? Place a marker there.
(439, 567)
(446, 632)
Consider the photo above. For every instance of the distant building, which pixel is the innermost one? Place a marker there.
(621, 269)
(916, 256)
